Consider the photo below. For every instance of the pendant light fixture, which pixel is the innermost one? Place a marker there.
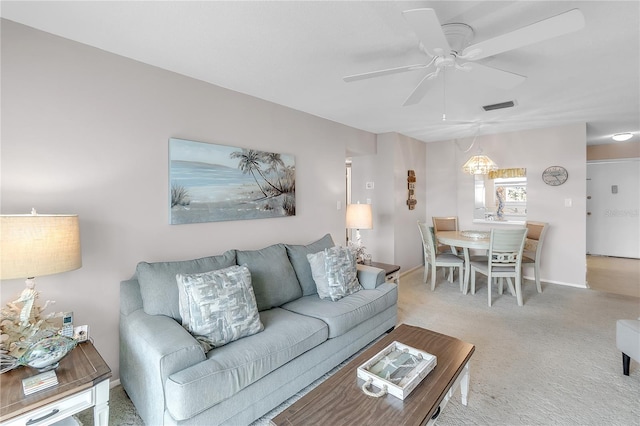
(479, 165)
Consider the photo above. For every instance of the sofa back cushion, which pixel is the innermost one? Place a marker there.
(273, 278)
(298, 257)
(158, 285)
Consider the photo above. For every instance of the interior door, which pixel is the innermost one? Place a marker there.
(613, 208)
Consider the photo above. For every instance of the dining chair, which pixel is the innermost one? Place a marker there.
(533, 248)
(446, 223)
(504, 261)
(435, 259)
(449, 223)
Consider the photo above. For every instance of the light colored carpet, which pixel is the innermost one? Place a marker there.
(552, 361)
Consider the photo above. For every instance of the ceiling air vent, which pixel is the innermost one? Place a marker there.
(501, 105)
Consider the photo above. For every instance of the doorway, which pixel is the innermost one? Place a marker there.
(613, 208)
(613, 226)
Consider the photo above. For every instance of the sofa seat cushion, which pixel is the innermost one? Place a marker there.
(273, 278)
(348, 312)
(232, 367)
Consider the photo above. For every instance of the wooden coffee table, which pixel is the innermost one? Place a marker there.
(339, 400)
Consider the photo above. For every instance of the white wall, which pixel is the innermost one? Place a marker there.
(86, 132)
(450, 191)
(444, 190)
(394, 237)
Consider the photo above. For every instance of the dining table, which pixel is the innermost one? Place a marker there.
(467, 240)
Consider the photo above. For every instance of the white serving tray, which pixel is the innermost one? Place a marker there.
(399, 368)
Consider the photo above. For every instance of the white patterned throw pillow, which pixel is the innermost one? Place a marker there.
(334, 272)
(218, 307)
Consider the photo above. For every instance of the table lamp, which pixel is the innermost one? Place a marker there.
(359, 216)
(33, 245)
(38, 244)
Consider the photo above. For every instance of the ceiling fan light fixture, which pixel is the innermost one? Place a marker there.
(479, 165)
(621, 137)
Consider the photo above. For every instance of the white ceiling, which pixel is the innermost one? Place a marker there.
(295, 54)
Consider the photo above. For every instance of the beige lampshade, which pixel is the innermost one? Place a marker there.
(34, 245)
(479, 165)
(359, 216)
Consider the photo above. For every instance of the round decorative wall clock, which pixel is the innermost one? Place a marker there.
(555, 175)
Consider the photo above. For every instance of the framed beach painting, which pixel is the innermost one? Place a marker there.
(212, 183)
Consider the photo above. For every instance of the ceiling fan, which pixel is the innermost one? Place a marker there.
(449, 44)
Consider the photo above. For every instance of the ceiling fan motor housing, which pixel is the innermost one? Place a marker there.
(459, 36)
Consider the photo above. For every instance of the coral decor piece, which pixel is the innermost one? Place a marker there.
(22, 320)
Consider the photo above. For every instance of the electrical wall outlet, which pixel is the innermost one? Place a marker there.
(81, 333)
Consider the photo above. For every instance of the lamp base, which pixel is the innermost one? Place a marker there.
(361, 254)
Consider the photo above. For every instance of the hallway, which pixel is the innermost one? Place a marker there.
(614, 275)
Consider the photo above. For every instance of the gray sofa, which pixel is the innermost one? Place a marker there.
(172, 380)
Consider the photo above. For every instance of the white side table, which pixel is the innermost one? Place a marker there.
(83, 382)
(392, 271)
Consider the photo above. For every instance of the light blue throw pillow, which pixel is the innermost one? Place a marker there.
(218, 307)
(335, 273)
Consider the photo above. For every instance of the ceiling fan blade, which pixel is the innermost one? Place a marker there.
(494, 76)
(565, 23)
(426, 25)
(381, 73)
(421, 89)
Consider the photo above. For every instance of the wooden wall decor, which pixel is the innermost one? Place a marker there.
(411, 184)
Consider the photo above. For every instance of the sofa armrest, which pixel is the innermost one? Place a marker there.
(370, 277)
(152, 347)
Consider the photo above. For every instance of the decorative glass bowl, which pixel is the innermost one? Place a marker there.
(46, 354)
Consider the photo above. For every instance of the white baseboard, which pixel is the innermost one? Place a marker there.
(532, 278)
(410, 270)
(527, 277)
(114, 383)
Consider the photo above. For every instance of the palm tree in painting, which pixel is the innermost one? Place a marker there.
(249, 163)
(275, 163)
